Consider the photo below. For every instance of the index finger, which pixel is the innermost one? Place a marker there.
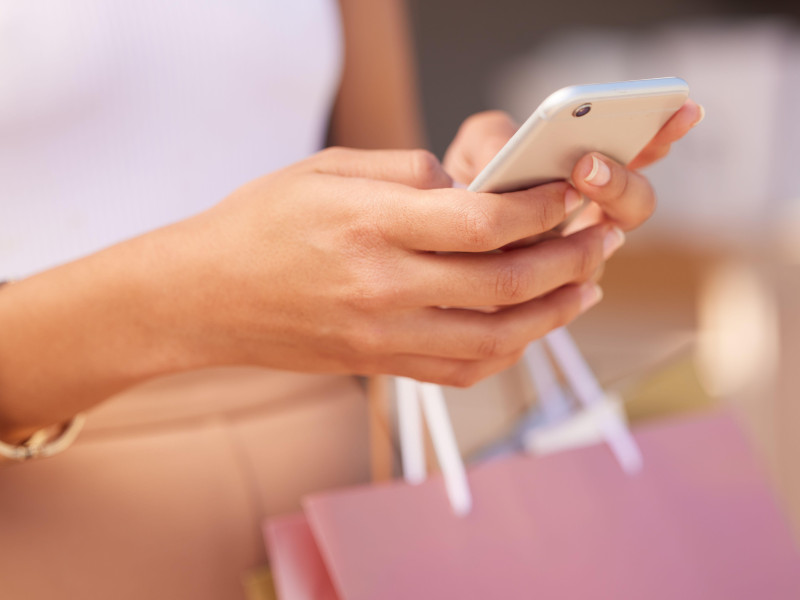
(688, 116)
(453, 220)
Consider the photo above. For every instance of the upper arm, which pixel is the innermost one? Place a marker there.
(377, 105)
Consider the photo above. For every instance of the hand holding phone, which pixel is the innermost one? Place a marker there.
(616, 119)
(627, 200)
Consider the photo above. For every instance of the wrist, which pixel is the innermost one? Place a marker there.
(159, 298)
(80, 333)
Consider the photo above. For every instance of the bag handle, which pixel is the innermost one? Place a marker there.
(580, 378)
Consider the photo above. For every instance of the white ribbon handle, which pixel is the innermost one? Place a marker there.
(587, 390)
(579, 377)
(409, 424)
(552, 399)
(412, 448)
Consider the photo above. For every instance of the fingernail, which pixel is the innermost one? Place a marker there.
(702, 115)
(612, 241)
(600, 173)
(591, 294)
(572, 200)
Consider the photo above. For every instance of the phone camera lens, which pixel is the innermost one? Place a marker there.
(582, 110)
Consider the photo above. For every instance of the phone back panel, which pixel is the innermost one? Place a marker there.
(623, 118)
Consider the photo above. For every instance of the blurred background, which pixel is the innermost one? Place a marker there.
(701, 306)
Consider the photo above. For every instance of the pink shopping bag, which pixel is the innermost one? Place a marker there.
(297, 566)
(698, 522)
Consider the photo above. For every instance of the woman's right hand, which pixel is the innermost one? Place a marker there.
(340, 263)
(343, 262)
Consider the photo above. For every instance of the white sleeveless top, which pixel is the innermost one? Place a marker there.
(119, 116)
(116, 117)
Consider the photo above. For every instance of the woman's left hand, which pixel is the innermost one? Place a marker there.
(619, 194)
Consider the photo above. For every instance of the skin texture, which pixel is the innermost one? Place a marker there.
(324, 266)
(329, 265)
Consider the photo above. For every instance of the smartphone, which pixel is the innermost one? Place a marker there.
(616, 119)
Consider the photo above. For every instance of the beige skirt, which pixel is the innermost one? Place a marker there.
(164, 493)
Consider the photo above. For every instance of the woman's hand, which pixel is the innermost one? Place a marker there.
(618, 193)
(340, 263)
(337, 264)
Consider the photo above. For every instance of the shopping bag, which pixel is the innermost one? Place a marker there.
(297, 566)
(698, 521)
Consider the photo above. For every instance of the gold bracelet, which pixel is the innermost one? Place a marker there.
(41, 444)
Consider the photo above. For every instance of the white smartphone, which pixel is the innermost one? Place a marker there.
(616, 119)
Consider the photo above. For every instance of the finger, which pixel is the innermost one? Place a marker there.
(590, 215)
(625, 197)
(598, 274)
(442, 371)
(479, 138)
(471, 335)
(688, 116)
(461, 221)
(511, 277)
(415, 168)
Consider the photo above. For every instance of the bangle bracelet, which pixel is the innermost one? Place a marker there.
(41, 444)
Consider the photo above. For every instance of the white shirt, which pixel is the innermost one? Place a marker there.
(119, 116)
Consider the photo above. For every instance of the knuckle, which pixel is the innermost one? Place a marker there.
(463, 375)
(363, 237)
(360, 297)
(332, 153)
(620, 179)
(384, 296)
(636, 201)
(619, 188)
(488, 346)
(495, 344)
(549, 211)
(489, 119)
(368, 340)
(370, 294)
(500, 117)
(478, 228)
(472, 121)
(511, 284)
(587, 259)
(562, 314)
(652, 199)
(425, 168)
